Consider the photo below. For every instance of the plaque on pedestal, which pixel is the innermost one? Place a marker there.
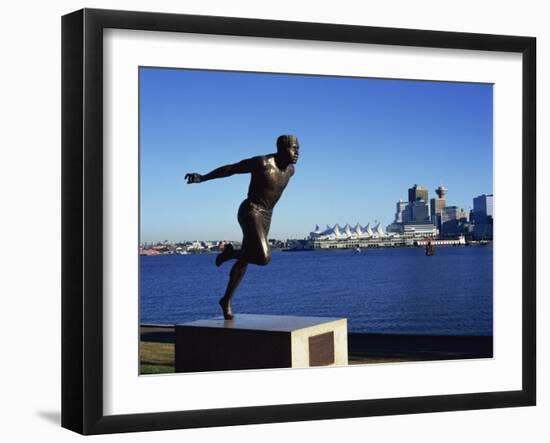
(252, 341)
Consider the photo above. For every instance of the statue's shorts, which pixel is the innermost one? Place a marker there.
(255, 221)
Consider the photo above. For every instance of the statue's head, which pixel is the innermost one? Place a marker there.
(288, 148)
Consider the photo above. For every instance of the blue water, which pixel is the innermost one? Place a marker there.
(399, 291)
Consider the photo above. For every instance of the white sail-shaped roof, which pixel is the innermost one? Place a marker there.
(347, 230)
(318, 230)
(316, 233)
(328, 231)
(368, 230)
(378, 230)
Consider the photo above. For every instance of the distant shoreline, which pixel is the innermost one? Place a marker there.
(468, 244)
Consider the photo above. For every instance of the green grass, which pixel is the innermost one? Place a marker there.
(156, 358)
(156, 369)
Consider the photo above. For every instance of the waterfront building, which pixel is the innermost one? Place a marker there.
(483, 217)
(336, 237)
(347, 232)
(420, 230)
(460, 240)
(396, 228)
(414, 230)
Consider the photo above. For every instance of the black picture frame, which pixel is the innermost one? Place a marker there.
(82, 218)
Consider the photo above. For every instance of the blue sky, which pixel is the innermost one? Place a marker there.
(363, 143)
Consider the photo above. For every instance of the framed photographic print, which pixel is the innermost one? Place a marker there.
(269, 221)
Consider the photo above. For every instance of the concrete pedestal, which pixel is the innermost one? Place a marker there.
(260, 342)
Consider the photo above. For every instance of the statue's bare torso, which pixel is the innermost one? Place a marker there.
(268, 181)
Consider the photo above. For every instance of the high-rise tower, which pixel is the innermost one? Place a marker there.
(441, 191)
(483, 217)
(437, 205)
(417, 193)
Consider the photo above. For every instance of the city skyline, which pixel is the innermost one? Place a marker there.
(307, 231)
(364, 143)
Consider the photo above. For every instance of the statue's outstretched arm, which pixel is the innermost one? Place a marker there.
(243, 167)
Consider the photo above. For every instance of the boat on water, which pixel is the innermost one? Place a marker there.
(357, 249)
(430, 250)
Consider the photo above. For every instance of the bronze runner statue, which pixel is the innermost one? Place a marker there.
(269, 176)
